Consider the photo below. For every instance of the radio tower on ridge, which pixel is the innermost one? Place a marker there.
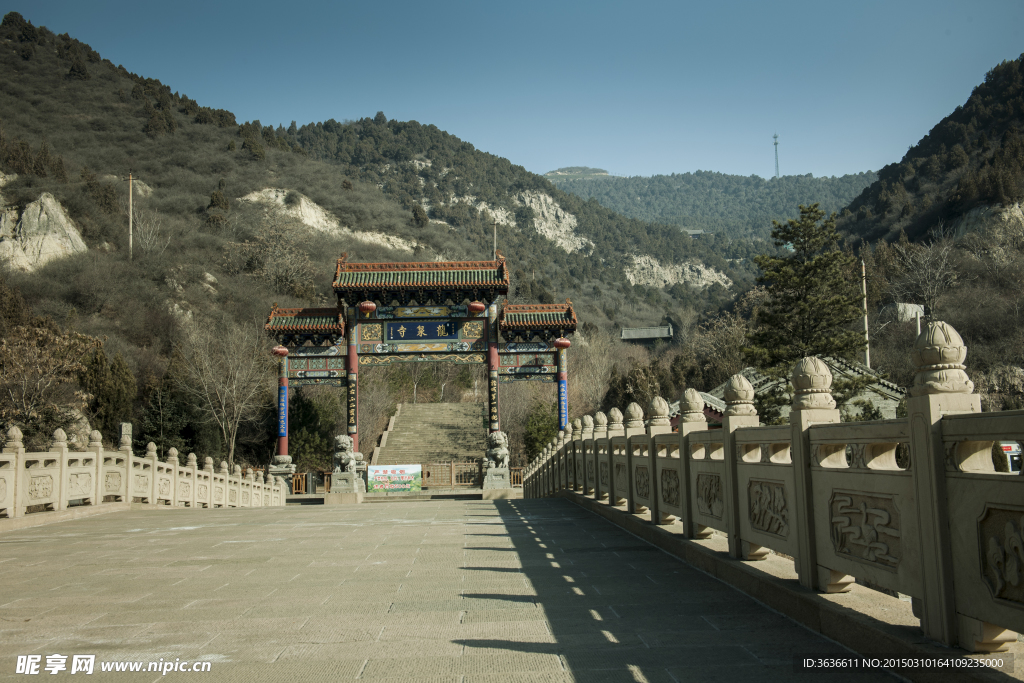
(776, 136)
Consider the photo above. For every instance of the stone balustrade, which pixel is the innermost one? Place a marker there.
(62, 479)
(940, 525)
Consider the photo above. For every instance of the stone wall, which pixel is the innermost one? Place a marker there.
(937, 524)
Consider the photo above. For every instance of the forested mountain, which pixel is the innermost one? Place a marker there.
(230, 218)
(730, 205)
(973, 157)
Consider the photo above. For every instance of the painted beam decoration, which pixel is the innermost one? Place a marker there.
(422, 335)
(538, 367)
(305, 369)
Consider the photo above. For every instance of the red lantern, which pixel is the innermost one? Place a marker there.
(367, 307)
(477, 307)
(562, 343)
(279, 351)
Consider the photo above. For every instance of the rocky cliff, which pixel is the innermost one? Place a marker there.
(311, 214)
(43, 232)
(648, 271)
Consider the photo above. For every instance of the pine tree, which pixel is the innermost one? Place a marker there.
(112, 387)
(811, 299)
(541, 427)
(78, 70)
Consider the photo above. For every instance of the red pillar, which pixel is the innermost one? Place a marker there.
(282, 403)
(352, 362)
(492, 369)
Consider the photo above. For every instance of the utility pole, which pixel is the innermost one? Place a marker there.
(131, 214)
(776, 137)
(864, 290)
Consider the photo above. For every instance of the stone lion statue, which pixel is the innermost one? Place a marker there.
(497, 450)
(345, 458)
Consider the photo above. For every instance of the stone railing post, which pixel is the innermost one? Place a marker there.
(812, 404)
(565, 478)
(59, 449)
(691, 419)
(172, 465)
(600, 443)
(657, 423)
(576, 451)
(615, 429)
(739, 412)
(12, 498)
(587, 446)
(209, 474)
(634, 429)
(147, 482)
(95, 490)
(124, 450)
(192, 466)
(941, 387)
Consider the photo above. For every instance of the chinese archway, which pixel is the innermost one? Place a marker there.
(420, 312)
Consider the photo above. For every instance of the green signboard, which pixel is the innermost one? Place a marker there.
(390, 478)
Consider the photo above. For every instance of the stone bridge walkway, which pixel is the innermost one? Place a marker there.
(526, 590)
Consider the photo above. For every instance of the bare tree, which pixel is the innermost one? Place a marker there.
(226, 370)
(39, 370)
(927, 271)
(445, 374)
(149, 234)
(590, 363)
(376, 405)
(274, 256)
(416, 371)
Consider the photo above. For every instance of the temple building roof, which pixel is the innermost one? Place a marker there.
(287, 324)
(432, 281)
(538, 318)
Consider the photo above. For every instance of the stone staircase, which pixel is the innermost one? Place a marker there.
(435, 432)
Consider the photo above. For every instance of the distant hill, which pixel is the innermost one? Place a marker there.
(729, 205)
(972, 158)
(576, 173)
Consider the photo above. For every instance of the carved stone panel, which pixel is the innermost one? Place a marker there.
(642, 481)
(218, 494)
(40, 487)
(112, 482)
(670, 487)
(3, 490)
(620, 476)
(80, 485)
(604, 474)
(245, 497)
(141, 482)
(184, 490)
(866, 528)
(201, 491)
(232, 496)
(709, 495)
(255, 498)
(590, 474)
(164, 487)
(767, 507)
(1001, 541)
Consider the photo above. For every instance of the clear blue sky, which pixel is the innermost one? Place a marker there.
(637, 88)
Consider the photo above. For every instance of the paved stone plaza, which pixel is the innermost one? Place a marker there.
(525, 590)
